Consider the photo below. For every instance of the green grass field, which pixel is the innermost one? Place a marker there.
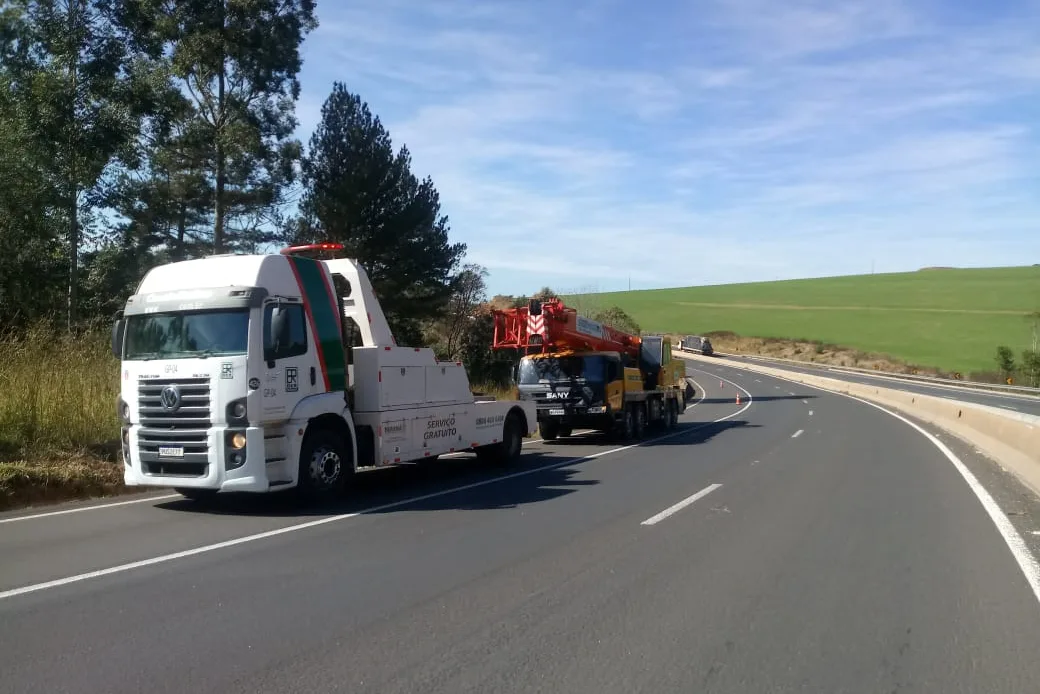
(952, 319)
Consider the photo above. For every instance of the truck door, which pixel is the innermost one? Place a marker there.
(290, 363)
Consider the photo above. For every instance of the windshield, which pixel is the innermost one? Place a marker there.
(184, 335)
(592, 368)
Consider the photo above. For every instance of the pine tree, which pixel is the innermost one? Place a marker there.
(238, 60)
(359, 193)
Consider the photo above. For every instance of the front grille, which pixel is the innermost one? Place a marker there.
(193, 412)
(184, 428)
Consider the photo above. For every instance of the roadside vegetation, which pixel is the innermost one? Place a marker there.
(59, 435)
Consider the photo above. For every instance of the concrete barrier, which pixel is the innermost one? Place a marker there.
(1010, 438)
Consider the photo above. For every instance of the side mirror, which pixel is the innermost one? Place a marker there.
(118, 331)
(279, 336)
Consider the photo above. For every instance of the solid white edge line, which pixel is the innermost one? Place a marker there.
(675, 508)
(797, 433)
(88, 508)
(1027, 563)
(344, 516)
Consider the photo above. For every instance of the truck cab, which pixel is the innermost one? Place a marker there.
(258, 373)
(572, 389)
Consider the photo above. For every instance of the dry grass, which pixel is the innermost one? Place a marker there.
(57, 395)
(59, 432)
(499, 393)
(28, 482)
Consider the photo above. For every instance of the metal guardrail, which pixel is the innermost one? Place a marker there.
(976, 385)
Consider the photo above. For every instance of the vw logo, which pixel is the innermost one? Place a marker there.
(170, 398)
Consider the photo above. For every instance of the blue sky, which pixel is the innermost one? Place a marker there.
(584, 144)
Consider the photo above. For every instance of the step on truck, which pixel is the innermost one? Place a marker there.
(582, 374)
(261, 373)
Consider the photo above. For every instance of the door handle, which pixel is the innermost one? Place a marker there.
(313, 376)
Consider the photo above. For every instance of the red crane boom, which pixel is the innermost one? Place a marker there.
(550, 326)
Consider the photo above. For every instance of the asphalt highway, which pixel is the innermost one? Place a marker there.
(1026, 404)
(797, 541)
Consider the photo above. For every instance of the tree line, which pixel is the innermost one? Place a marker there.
(138, 132)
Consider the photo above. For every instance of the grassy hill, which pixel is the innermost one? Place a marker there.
(948, 318)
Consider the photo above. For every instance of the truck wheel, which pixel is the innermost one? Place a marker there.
(324, 467)
(640, 422)
(688, 395)
(549, 430)
(509, 448)
(673, 414)
(512, 439)
(566, 431)
(625, 427)
(669, 409)
(196, 494)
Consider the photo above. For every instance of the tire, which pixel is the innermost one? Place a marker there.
(507, 450)
(669, 410)
(688, 395)
(674, 414)
(324, 465)
(196, 494)
(549, 430)
(639, 428)
(565, 431)
(625, 427)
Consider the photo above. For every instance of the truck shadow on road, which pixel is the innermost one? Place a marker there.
(544, 472)
(685, 434)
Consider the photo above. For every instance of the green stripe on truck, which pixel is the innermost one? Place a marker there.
(321, 307)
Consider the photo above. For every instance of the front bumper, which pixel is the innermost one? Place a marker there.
(153, 465)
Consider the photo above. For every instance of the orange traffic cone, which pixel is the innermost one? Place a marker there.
(738, 397)
(720, 385)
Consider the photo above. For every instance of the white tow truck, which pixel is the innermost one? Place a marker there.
(259, 373)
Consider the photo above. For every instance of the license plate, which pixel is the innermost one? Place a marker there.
(553, 413)
(171, 451)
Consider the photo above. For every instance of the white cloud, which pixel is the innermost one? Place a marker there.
(739, 139)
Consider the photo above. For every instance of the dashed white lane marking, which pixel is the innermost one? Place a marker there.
(797, 434)
(675, 508)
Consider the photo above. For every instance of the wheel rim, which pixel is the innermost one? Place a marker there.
(326, 467)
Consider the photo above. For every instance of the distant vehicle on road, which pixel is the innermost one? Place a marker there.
(696, 343)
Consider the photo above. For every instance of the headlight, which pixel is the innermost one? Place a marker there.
(239, 409)
(238, 440)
